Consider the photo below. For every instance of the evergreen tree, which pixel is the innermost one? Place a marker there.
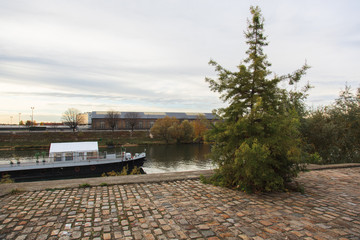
(257, 141)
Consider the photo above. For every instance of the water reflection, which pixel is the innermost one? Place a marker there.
(160, 158)
(170, 158)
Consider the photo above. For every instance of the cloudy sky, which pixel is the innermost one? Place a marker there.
(140, 55)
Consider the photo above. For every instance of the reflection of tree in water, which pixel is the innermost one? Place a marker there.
(171, 156)
(202, 153)
(174, 156)
(158, 156)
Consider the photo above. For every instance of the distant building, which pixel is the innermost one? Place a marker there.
(85, 120)
(144, 120)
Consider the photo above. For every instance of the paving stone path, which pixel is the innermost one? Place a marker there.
(188, 209)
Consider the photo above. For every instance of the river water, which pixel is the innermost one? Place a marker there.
(160, 158)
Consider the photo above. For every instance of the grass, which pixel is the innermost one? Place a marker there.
(16, 191)
(295, 187)
(84, 185)
(42, 140)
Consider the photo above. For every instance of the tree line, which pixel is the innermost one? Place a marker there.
(333, 132)
(170, 129)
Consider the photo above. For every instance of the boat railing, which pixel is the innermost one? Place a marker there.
(56, 160)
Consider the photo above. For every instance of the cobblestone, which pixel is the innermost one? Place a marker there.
(188, 209)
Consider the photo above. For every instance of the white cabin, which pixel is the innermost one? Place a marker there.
(73, 151)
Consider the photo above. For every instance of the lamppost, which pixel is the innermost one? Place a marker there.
(32, 116)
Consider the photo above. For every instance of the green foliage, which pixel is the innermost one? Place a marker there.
(188, 132)
(334, 131)
(84, 185)
(296, 188)
(164, 128)
(135, 171)
(124, 170)
(170, 129)
(216, 179)
(257, 140)
(110, 143)
(6, 179)
(111, 174)
(247, 173)
(41, 140)
(182, 133)
(37, 155)
(16, 191)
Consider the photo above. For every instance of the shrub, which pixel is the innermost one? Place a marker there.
(257, 140)
(6, 179)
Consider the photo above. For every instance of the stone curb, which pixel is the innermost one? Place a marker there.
(97, 181)
(315, 167)
(130, 179)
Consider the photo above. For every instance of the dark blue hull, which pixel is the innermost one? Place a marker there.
(90, 170)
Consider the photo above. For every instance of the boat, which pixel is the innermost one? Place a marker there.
(72, 159)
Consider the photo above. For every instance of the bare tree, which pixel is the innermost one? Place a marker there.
(72, 118)
(132, 119)
(112, 118)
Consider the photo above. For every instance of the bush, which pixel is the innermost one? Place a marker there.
(84, 185)
(334, 131)
(135, 171)
(6, 179)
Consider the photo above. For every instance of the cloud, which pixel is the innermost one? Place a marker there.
(148, 56)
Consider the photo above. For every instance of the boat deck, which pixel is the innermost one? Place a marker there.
(59, 164)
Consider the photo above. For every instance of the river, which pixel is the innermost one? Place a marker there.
(160, 158)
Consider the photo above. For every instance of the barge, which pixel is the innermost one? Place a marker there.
(71, 160)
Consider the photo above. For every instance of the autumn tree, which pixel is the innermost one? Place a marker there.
(132, 119)
(200, 127)
(175, 131)
(182, 132)
(112, 118)
(72, 118)
(164, 128)
(187, 132)
(257, 139)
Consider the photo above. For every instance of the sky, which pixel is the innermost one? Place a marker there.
(152, 56)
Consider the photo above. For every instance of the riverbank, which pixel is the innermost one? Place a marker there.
(22, 140)
(187, 209)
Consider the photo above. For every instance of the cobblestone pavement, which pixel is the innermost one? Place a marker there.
(329, 209)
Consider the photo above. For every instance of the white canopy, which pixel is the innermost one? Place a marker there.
(74, 147)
